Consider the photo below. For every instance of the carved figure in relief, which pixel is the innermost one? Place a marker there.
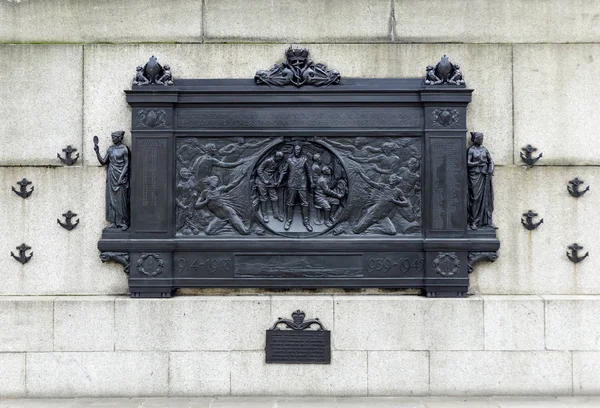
(116, 159)
(481, 194)
(457, 77)
(431, 78)
(204, 164)
(386, 163)
(299, 175)
(187, 194)
(167, 77)
(140, 79)
(240, 145)
(268, 180)
(326, 198)
(382, 205)
(216, 199)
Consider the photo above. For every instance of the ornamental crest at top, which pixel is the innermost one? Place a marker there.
(298, 70)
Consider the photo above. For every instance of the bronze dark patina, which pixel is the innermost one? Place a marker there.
(361, 184)
(22, 192)
(299, 344)
(528, 221)
(574, 255)
(444, 73)
(573, 188)
(152, 73)
(23, 257)
(69, 160)
(527, 155)
(68, 225)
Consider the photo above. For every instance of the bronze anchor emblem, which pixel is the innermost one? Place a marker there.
(529, 161)
(22, 257)
(574, 188)
(528, 222)
(68, 225)
(68, 160)
(574, 256)
(23, 193)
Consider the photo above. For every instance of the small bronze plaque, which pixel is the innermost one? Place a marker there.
(298, 345)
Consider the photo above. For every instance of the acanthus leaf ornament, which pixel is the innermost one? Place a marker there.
(574, 255)
(152, 73)
(22, 258)
(526, 155)
(528, 222)
(475, 257)
(23, 193)
(573, 188)
(297, 70)
(444, 73)
(68, 225)
(118, 257)
(68, 159)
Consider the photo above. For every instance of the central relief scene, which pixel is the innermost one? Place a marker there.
(298, 187)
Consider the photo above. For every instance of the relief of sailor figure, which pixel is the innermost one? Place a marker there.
(327, 198)
(298, 177)
(268, 180)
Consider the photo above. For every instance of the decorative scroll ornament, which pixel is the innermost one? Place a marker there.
(297, 70)
(574, 188)
(574, 255)
(68, 225)
(153, 118)
(527, 158)
(150, 264)
(444, 73)
(475, 257)
(118, 257)
(68, 160)
(528, 222)
(22, 257)
(23, 193)
(153, 74)
(297, 322)
(446, 264)
(445, 117)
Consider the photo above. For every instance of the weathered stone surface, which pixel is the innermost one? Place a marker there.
(555, 106)
(109, 69)
(346, 375)
(535, 262)
(500, 373)
(199, 373)
(84, 323)
(94, 374)
(586, 373)
(572, 322)
(12, 375)
(192, 323)
(490, 21)
(105, 21)
(289, 21)
(26, 323)
(408, 323)
(513, 322)
(41, 101)
(64, 262)
(398, 373)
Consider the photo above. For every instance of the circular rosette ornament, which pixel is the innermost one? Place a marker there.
(150, 265)
(300, 189)
(446, 264)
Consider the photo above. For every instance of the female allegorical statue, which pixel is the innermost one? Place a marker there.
(117, 181)
(481, 194)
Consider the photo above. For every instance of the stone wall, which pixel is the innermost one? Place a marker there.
(532, 65)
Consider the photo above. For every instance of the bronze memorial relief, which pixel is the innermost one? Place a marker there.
(298, 178)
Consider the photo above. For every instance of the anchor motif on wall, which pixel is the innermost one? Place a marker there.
(528, 222)
(23, 193)
(527, 158)
(22, 257)
(68, 160)
(574, 188)
(68, 225)
(574, 256)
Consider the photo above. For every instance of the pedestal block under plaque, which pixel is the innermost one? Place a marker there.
(358, 183)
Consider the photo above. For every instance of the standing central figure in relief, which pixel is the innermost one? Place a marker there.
(299, 174)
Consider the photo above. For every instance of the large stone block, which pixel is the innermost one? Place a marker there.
(346, 375)
(586, 373)
(535, 262)
(290, 21)
(104, 21)
(193, 323)
(500, 373)
(513, 322)
(109, 69)
(64, 262)
(199, 373)
(398, 373)
(26, 323)
(555, 106)
(97, 374)
(408, 323)
(84, 323)
(41, 102)
(489, 21)
(572, 322)
(12, 375)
